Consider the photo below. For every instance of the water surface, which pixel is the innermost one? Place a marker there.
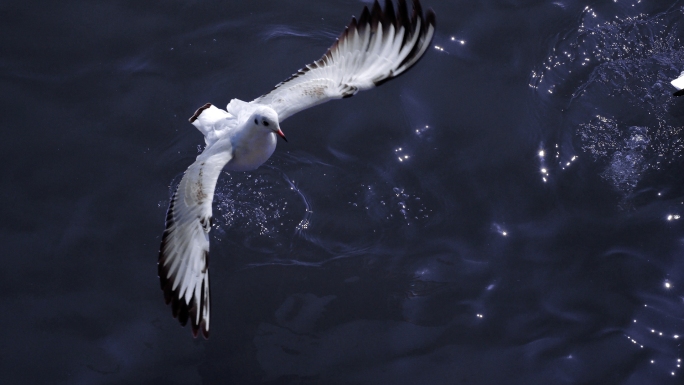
(507, 212)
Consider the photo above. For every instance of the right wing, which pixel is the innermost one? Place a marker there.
(380, 46)
(183, 265)
(213, 122)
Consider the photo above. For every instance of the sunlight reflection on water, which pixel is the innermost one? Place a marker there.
(607, 83)
(621, 67)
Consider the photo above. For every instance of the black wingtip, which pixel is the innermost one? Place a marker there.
(430, 18)
(201, 328)
(199, 112)
(367, 25)
(679, 93)
(389, 16)
(376, 15)
(403, 19)
(365, 17)
(417, 9)
(179, 308)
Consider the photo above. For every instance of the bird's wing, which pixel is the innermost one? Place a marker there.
(213, 122)
(184, 253)
(381, 45)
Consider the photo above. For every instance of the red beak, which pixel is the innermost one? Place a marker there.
(280, 134)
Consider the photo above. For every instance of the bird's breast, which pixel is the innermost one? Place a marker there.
(250, 153)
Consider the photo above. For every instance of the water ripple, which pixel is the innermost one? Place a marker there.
(609, 78)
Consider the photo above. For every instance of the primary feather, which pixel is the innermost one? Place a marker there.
(376, 48)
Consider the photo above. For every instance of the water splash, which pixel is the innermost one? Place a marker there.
(263, 202)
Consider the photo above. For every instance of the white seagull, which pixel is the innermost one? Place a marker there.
(381, 45)
(679, 85)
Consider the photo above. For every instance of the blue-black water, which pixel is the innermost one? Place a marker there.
(507, 212)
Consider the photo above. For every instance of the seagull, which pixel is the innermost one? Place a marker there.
(679, 85)
(381, 45)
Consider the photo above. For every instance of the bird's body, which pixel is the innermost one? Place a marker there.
(379, 46)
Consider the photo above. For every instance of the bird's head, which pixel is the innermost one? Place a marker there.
(267, 118)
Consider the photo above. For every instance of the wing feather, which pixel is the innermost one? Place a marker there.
(184, 253)
(378, 47)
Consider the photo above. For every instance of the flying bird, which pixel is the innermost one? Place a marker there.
(679, 85)
(381, 45)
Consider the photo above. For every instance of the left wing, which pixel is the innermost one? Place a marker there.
(183, 266)
(380, 46)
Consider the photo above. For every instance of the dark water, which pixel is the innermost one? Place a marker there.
(507, 212)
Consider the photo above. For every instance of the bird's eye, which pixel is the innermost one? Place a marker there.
(265, 123)
(256, 121)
